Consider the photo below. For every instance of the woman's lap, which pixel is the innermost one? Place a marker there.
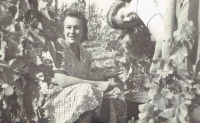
(66, 105)
(69, 103)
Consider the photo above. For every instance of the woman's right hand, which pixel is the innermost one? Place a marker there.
(105, 86)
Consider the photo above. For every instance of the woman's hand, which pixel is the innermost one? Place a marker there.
(113, 74)
(105, 86)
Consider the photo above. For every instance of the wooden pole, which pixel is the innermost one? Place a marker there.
(198, 47)
(169, 24)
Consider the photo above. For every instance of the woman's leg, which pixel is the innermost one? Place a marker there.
(85, 117)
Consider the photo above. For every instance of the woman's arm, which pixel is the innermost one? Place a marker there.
(66, 81)
(106, 76)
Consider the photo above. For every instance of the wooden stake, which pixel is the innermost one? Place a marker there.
(169, 25)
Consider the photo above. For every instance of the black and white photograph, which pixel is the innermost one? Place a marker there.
(99, 61)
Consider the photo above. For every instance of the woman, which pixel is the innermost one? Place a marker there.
(122, 16)
(149, 13)
(77, 95)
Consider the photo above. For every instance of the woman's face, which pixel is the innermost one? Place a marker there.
(73, 30)
(126, 15)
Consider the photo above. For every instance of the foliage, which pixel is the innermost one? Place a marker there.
(30, 50)
(94, 21)
(175, 87)
(133, 55)
(173, 83)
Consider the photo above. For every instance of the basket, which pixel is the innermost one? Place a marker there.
(138, 97)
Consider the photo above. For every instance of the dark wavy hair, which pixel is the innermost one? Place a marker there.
(75, 12)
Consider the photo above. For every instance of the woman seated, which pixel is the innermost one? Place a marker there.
(77, 96)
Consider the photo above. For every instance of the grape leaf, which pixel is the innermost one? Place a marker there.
(18, 87)
(187, 93)
(178, 99)
(33, 70)
(178, 53)
(15, 37)
(188, 29)
(13, 10)
(16, 63)
(183, 83)
(8, 75)
(58, 45)
(6, 18)
(24, 5)
(8, 90)
(163, 73)
(167, 93)
(42, 5)
(52, 15)
(59, 59)
(152, 92)
(48, 77)
(11, 27)
(182, 74)
(52, 49)
(145, 107)
(32, 14)
(167, 113)
(46, 25)
(31, 95)
(183, 111)
(172, 120)
(46, 69)
(177, 36)
(161, 101)
(36, 37)
(14, 49)
(143, 115)
(45, 13)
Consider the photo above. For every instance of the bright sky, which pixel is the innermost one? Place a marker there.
(102, 4)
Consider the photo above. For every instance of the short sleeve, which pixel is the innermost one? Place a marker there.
(145, 9)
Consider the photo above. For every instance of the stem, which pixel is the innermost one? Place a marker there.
(4, 76)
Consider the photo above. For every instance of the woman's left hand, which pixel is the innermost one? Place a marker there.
(113, 74)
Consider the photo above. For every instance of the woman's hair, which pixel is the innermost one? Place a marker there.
(112, 12)
(74, 12)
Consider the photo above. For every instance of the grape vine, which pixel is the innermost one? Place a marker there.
(173, 83)
(30, 48)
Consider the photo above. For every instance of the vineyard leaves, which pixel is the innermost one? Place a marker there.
(30, 49)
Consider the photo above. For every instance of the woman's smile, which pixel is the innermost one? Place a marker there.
(73, 30)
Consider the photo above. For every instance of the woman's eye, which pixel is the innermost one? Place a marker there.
(68, 27)
(77, 27)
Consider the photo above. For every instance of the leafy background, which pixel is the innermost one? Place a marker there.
(30, 34)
